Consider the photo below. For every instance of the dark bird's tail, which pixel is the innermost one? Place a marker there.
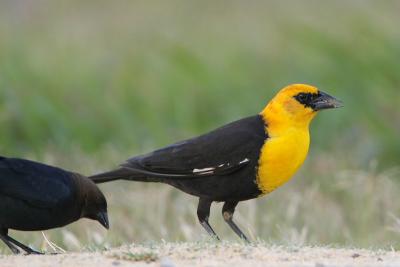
(118, 174)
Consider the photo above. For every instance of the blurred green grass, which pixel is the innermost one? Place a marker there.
(85, 85)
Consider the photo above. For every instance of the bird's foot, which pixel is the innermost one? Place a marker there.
(30, 251)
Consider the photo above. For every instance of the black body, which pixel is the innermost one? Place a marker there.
(34, 197)
(218, 166)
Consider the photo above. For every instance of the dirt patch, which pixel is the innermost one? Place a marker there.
(210, 254)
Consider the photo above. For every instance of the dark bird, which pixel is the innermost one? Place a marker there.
(37, 197)
(242, 160)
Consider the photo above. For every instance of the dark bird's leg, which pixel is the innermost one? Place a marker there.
(3, 237)
(13, 244)
(203, 213)
(227, 213)
(27, 249)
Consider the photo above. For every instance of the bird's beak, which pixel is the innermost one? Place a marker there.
(325, 101)
(102, 218)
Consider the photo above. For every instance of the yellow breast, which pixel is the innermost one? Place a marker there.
(281, 156)
(287, 124)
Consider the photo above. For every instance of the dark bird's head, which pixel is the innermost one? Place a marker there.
(297, 104)
(94, 203)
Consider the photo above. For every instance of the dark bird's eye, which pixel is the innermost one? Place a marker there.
(303, 98)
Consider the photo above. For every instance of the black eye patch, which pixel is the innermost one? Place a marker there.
(306, 99)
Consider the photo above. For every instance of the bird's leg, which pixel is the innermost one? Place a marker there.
(203, 213)
(10, 245)
(27, 249)
(227, 213)
(3, 237)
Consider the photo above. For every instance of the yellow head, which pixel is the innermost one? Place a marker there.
(296, 105)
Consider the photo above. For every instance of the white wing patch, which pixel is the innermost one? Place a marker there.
(205, 170)
(244, 161)
(211, 170)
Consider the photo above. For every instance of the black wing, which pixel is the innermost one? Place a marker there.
(220, 152)
(37, 184)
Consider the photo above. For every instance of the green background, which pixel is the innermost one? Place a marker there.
(86, 84)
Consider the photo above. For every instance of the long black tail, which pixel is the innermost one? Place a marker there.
(118, 174)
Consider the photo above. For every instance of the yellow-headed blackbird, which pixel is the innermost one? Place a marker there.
(242, 160)
(36, 197)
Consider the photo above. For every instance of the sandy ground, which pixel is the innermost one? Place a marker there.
(207, 254)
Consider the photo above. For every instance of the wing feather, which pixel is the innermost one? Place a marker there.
(221, 152)
(37, 184)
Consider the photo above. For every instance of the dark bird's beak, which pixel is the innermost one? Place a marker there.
(325, 101)
(102, 218)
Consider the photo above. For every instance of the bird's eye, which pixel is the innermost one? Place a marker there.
(302, 97)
